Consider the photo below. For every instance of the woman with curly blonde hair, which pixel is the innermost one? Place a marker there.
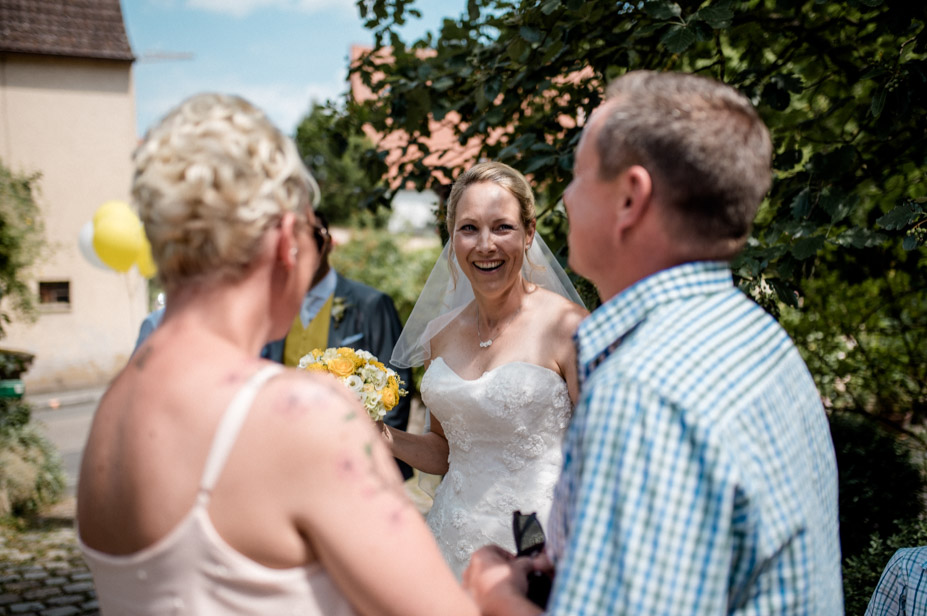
(217, 482)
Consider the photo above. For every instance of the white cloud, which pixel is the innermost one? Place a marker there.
(284, 103)
(241, 8)
(287, 104)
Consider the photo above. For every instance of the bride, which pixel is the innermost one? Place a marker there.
(493, 327)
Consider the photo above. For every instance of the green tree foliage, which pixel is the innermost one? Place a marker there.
(880, 482)
(336, 151)
(863, 339)
(842, 86)
(861, 573)
(839, 249)
(22, 236)
(374, 257)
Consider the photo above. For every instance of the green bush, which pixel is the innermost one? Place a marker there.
(881, 484)
(31, 474)
(861, 573)
(14, 363)
(22, 240)
(14, 416)
(375, 257)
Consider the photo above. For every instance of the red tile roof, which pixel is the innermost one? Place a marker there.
(75, 28)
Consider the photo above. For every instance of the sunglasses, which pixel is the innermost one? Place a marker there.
(320, 234)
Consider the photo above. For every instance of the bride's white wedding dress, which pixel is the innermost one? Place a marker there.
(504, 431)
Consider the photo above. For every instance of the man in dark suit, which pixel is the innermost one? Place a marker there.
(336, 312)
(340, 312)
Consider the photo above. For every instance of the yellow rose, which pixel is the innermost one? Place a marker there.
(316, 367)
(378, 364)
(389, 397)
(341, 366)
(348, 353)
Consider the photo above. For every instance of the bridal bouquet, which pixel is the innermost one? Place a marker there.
(378, 387)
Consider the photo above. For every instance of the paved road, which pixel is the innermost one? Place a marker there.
(67, 428)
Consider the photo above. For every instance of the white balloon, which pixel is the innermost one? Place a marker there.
(85, 241)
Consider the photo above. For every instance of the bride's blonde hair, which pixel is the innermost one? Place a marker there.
(497, 173)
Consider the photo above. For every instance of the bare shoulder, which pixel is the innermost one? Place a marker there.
(310, 407)
(563, 315)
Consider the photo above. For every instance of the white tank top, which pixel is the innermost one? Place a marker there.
(192, 570)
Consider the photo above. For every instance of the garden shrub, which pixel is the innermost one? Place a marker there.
(861, 572)
(14, 363)
(881, 484)
(377, 258)
(31, 474)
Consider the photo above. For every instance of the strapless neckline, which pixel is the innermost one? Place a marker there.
(504, 431)
(487, 373)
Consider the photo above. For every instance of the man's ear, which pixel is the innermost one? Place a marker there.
(634, 191)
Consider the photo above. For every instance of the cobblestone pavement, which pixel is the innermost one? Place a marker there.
(41, 569)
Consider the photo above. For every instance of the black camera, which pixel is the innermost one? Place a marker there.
(529, 541)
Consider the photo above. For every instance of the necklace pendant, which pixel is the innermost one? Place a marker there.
(486, 344)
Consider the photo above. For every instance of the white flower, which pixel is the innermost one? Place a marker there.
(365, 355)
(354, 383)
(371, 400)
(374, 376)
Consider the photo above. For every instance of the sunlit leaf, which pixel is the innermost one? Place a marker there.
(678, 38)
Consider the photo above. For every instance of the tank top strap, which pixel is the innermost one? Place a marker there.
(230, 424)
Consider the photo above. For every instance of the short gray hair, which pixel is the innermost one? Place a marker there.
(704, 143)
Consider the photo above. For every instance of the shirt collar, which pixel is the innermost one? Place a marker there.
(316, 297)
(326, 287)
(600, 333)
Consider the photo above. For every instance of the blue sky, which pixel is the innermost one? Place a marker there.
(279, 54)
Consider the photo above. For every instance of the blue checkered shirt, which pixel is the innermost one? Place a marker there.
(902, 589)
(699, 474)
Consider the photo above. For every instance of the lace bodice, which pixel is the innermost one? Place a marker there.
(504, 432)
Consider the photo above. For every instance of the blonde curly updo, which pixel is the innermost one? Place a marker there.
(210, 179)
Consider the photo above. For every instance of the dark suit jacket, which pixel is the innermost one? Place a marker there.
(369, 323)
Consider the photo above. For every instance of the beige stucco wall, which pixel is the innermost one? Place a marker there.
(74, 122)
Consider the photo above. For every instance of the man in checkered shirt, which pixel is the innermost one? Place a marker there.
(699, 474)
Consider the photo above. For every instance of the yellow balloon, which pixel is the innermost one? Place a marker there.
(146, 265)
(112, 209)
(117, 240)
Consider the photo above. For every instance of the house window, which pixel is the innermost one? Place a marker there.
(55, 296)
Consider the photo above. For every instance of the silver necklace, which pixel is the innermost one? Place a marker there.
(488, 343)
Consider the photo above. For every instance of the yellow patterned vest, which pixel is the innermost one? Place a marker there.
(300, 340)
